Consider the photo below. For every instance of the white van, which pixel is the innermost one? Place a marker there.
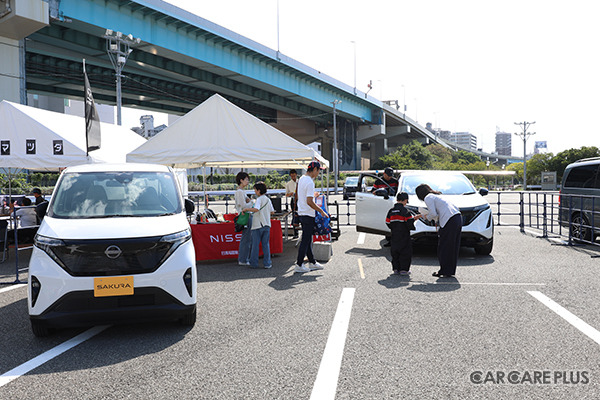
(114, 246)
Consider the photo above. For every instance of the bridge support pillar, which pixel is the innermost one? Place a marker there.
(18, 19)
(379, 148)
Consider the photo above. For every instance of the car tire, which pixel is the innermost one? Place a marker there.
(486, 249)
(345, 197)
(579, 232)
(40, 329)
(189, 319)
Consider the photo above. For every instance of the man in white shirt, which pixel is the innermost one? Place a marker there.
(306, 211)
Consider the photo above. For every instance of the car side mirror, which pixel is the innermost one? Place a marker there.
(189, 207)
(382, 192)
(483, 191)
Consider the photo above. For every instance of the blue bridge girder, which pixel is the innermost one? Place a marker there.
(183, 59)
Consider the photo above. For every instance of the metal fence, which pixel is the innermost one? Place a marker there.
(573, 218)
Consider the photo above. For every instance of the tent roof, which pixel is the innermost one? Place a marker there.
(21, 123)
(217, 133)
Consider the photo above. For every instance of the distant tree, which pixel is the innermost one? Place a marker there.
(536, 165)
(409, 156)
(564, 158)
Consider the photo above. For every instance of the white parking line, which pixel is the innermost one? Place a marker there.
(49, 355)
(577, 322)
(6, 289)
(361, 238)
(329, 370)
(491, 283)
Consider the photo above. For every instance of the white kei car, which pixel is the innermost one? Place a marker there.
(478, 224)
(114, 247)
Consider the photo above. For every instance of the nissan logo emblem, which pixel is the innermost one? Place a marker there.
(112, 252)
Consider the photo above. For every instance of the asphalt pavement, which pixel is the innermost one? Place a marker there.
(263, 334)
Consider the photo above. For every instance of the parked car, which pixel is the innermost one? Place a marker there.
(114, 247)
(580, 199)
(351, 187)
(478, 226)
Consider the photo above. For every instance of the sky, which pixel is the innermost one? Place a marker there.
(465, 66)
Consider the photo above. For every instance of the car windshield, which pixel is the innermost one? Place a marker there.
(352, 181)
(447, 184)
(115, 194)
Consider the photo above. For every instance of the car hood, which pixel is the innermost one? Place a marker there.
(112, 228)
(460, 200)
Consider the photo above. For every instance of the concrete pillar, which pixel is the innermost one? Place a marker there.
(10, 67)
(18, 19)
(379, 148)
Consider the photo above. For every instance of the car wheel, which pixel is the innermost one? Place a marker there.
(39, 329)
(486, 249)
(345, 197)
(580, 229)
(189, 319)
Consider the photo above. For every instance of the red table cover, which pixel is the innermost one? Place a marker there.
(221, 241)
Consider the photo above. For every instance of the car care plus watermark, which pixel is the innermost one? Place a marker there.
(530, 377)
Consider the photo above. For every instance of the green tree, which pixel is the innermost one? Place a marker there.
(564, 158)
(536, 165)
(409, 156)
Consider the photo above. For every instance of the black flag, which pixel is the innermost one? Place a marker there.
(92, 121)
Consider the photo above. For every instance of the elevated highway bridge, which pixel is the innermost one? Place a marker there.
(181, 60)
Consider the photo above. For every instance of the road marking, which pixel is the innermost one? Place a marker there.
(329, 370)
(6, 289)
(360, 268)
(577, 322)
(491, 283)
(49, 355)
(361, 238)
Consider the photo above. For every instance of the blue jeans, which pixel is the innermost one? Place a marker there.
(261, 235)
(305, 249)
(245, 243)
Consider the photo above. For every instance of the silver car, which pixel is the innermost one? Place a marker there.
(478, 225)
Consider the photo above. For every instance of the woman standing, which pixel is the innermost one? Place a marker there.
(242, 201)
(261, 226)
(450, 221)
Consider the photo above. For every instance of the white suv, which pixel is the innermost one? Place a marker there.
(478, 225)
(114, 246)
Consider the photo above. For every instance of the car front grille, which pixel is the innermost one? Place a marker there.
(109, 257)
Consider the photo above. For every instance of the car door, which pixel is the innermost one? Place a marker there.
(371, 211)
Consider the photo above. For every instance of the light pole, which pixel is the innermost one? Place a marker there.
(118, 49)
(404, 90)
(354, 43)
(524, 135)
(335, 150)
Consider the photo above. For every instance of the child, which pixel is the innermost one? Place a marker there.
(401, 222)
(261, 226)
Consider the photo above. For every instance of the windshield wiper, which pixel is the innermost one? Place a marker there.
(469, 193)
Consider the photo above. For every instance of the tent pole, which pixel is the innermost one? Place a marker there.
(204, 181)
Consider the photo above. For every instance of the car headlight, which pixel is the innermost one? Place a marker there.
(47, 245)
(176, 240)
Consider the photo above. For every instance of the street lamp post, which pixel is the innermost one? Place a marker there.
(335, 148)
(354, 43)
(118, 49)
(524, 135)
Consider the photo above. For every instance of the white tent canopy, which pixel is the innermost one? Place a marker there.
(45, 140)
(217, 133)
